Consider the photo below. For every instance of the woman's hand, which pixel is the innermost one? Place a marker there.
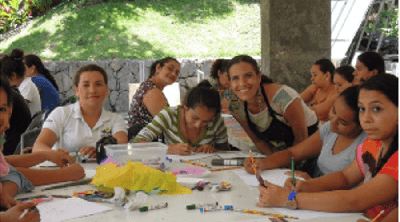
(59, 157)
(299, 173)
(300, 184)
(88, 150)
(272, 195)
(180, 149)
(206, 148)
(249, 166)
(6, 200)
(74, 171)
(15, 212)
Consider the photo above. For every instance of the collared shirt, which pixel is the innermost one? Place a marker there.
(73, 133)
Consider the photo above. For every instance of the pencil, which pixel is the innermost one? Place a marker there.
(263, 213)
(252, 161)
(293, 179)
(75, 183)
(377, 216)
(195, 164)
(226, 168)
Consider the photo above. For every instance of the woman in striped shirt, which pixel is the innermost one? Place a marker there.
(197, 126)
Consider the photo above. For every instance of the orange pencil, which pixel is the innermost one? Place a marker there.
(377, 216)
(252, 161)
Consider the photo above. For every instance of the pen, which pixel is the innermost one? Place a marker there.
(293, 179)
(153, 207)
(215, 208)
(27, 210)
(377, 216)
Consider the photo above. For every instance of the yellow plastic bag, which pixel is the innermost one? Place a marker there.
(137, 177)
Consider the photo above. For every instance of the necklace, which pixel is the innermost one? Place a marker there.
(187, 131)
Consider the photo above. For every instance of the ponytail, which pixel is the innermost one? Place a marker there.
(35, 60)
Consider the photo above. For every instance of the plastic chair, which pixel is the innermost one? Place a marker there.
(37, 120)
(27, 140)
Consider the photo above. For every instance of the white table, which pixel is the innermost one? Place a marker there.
(240, 196)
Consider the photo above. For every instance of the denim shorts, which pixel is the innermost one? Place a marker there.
(24, 185)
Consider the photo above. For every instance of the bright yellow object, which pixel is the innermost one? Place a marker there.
(137, 177)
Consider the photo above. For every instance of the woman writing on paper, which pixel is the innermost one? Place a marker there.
(16, 176)
(77, 127)
(376, 164)
(334, 143)
(197, 126)
(274, 116)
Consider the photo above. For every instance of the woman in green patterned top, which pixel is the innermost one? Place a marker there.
(196, 126)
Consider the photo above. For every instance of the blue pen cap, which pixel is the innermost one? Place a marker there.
(202, 209)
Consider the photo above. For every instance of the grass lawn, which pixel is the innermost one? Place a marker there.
(143, 29)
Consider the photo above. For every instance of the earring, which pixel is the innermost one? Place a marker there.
(326, 79)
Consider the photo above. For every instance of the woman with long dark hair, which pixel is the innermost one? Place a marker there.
(48, 88)
(274, 116)
(376, 164)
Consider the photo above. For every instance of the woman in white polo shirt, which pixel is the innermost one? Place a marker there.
(14, 69)
(77, 127)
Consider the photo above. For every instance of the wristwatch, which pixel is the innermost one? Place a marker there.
(291, 202)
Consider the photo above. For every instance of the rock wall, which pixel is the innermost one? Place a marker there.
(121, 73)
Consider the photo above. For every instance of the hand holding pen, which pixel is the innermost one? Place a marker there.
(252, 166)
(24, 212)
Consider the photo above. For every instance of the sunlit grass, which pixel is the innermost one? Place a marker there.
(141, 29)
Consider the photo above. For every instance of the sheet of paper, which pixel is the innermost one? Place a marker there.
(90, 173)
(309, 214)
(275, 176)
(193, 156)
(70, 208)
(236, 154)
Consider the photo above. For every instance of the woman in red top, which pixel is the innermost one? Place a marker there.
(376, 164)
(321, 95)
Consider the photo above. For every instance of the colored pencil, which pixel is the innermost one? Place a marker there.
(226, 168)
(263, 213)
(293, 178)
(75, 183)
(195, 164)
(377, 216)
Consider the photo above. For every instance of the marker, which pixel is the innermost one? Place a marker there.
(40, 200)
(293, 179)
(377, 216)
(153, 207)
(215, 208)
(198, 206)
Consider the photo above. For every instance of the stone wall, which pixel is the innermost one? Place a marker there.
(121, 73)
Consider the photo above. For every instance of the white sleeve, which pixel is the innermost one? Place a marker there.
(28, 90)
(119, 124)
(55, 120)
